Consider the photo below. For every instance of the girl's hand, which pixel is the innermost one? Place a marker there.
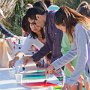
(81, 79)
(27, 59)
(50, 70)
(12, 62)
(66, 87)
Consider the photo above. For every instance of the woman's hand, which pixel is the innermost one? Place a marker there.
(12, 62)
(50, 70)
(27, 59)
(81, 79)
(66, 87)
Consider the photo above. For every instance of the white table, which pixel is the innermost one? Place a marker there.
(9, 83)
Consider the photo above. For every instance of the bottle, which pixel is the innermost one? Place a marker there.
(19, 43)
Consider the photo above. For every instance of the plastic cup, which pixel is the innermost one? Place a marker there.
(18, 78)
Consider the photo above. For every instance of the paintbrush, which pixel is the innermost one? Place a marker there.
(46, 77)
(23, 66)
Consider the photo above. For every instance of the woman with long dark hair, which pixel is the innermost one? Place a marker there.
(35, 40)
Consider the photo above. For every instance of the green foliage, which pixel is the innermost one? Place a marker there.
(71, 3)
(16, 18)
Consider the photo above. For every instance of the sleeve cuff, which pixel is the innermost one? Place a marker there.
(55, 66)
(70, 82)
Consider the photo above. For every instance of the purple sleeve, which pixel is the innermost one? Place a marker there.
(46, 48)
(40, 54)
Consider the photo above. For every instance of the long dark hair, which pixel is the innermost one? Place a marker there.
(40, 4)
(32, 12)
(83, 3)
(26, 28)
(48, 2)
(25, 25)
(84, 9)
(34, 35)
(69, 17)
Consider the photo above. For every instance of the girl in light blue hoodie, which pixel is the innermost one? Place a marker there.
(77, 28)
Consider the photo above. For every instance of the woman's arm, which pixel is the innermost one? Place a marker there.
(65, 58)
(82, 52)
(5, 31)
(70, 67)
(41, 53)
